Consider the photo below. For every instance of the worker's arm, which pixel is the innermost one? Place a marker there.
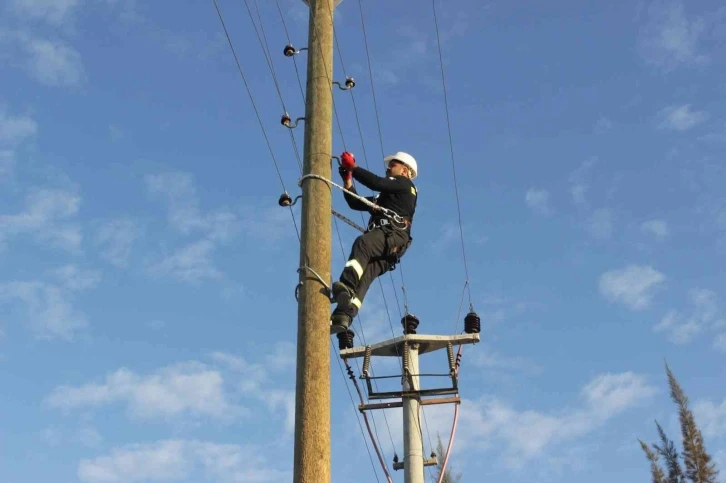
(378, 183)
(355, 203)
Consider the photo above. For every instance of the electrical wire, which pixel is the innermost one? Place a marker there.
(451, 147)
(257, 113)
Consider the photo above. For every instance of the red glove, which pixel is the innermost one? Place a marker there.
(347, 160)
(345, 173)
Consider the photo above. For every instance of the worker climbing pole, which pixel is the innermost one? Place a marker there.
(387, 238)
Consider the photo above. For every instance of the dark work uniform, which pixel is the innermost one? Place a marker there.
(384, 243)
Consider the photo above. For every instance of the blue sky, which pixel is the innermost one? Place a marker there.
(147, 317)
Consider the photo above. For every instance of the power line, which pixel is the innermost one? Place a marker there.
(451, 147)
(257, 113)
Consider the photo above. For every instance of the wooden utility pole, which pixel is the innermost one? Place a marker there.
(312, 390)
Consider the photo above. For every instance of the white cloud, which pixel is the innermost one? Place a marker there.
(680, 329)
(191, 263)
(14, 130)
(190, 389)
(632, 286)
(45, 216)
(659, 228)
(75, 279)
(578, 180)
(487, 358)
(711, 418)
(538, 201)
(720, 342)
(52, 11)
(177, 460)
(54, 63)
(49, 308)
(450, 233)
(670, 38)
(116, 238)
(680, 118)
(524, 435)
(600, 224)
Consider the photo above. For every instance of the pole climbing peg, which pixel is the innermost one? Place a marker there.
(349, 84)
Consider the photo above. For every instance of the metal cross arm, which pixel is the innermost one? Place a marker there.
(427, 343)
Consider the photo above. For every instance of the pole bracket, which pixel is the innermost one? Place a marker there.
(328, 290)
(286, 120)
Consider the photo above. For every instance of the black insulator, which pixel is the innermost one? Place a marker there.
(349, 82)
(409, 323)
(289, 50)
(285, 121)
(345, 340)
(284, 200)
(395, 458)
(472, 323)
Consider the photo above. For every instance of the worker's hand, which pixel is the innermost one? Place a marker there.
(345, 174)
(347, 160)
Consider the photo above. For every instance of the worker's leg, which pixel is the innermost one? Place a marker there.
(365, 247)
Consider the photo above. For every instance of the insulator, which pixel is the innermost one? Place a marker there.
(349, 82)
(289, 50)
(409, 323)
(286, 119)
(450, 352)
(472, 323)
(284, 200)
(367, 361)
(395, 458)
(345, 340)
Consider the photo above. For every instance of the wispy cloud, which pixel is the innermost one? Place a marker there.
(178, 460)
(524, 435)
(659, 228)
(449, 233)
(54, 63)
(487, 358)
(719, 342)
(46, 216)
(7, 163)
(600, 224)
(711, 417)
(539, 202)
(680, 329)
(116, 239)
(633, 286)
(52, 11)
(48, 306)
(669, 37)
(189, 389)
(680, 118)
(578, 181)
(15, 129)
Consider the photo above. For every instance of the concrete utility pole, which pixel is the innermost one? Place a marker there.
(413, 470)
(312, 397)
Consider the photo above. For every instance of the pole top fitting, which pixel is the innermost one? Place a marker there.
(337, 2)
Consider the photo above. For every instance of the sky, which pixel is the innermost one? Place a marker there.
(147, 311)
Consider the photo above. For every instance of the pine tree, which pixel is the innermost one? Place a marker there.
(699, 467)
(655, 470)
(668, 451)
(448, 474)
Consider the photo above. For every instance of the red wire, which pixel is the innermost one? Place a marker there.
(368, 426)
(453, 427)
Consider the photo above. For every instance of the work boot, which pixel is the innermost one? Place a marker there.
(342, 294)
(339, 322)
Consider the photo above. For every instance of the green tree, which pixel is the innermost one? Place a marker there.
(449, 476)
(698, 465)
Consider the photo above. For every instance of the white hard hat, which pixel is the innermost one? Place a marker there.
(404, 158)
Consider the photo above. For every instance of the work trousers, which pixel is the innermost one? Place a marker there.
(373, 254)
